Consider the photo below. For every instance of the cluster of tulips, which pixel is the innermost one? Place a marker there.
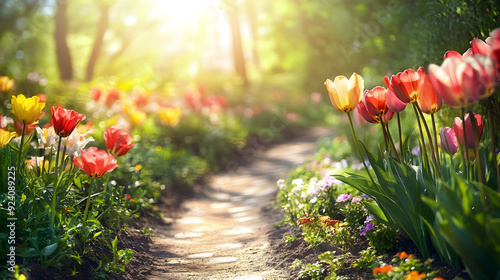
(446, 203)
(461, 81)
(61, 132)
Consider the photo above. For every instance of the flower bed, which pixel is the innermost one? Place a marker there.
(72, 182)
(442, 195)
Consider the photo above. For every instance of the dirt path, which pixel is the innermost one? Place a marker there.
(227, 232)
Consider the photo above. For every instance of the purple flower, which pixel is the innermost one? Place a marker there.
(343, 197)
(330, 181)
(368, 227)
(416, 151)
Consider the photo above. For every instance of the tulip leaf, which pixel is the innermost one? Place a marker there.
(49, 249)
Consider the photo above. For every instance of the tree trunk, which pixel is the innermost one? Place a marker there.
(252, 21)
(239, 59)
(62, 49)
(101, 30)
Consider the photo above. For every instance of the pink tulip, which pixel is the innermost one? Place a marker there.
(393, 102)
(449, 142)
(457, 82)
(487, 72)
(459, 131)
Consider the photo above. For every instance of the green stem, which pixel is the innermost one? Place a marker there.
(21, 146)
(466, 149)
(433, 153)
(424, 152)
(435, 139)
(493, 142)
(479, 163)
(88, 200)
(385, 136)
(388, 132)
(400, 135)
(57, 160)
(359, 150)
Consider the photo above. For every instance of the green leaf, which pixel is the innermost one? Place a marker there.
(97, 234)
(377, 212)
(48, 250)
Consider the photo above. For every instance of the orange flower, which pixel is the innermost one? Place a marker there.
(6, 83)
(438, 278)
(404, 85)
(382, 269)
(415, 275)
(404, 255)
(429, 101)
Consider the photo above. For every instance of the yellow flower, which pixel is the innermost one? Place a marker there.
(170, 116)
(138, 167)
(137, 118)
(5, 137)
(345, 94)
(27, 110)
(5, 83)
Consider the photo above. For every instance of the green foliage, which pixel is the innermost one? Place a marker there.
(366, 261)
(468, 218)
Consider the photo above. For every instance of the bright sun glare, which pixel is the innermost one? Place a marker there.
(185, 12)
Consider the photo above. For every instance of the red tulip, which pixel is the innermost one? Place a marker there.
(459, 131)
(118, 142)
(95, 162)
(371, 118)
(375, 101)
(65, 121)
(112, 96)
(457, 82)
(404, 85)
(452, 54)
(393, 102)
(449, 142)
(429, 101)
(18, 127)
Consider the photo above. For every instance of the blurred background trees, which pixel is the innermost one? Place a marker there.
(290, 44)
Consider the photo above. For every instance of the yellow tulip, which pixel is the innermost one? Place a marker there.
(5, 137)
(27, 110)
(5, 83)
(170, 116)
(344, 93)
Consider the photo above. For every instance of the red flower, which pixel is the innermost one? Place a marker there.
(112, 96)
(363, 111)
(375, 101)
(393, 102)
(95, 94)
(459, 131)
(95, 162)
(118, 142)
(404, 85)
(64, 121)
(429, 101)
(18, 127)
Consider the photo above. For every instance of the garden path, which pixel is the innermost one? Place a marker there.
(227, 231)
